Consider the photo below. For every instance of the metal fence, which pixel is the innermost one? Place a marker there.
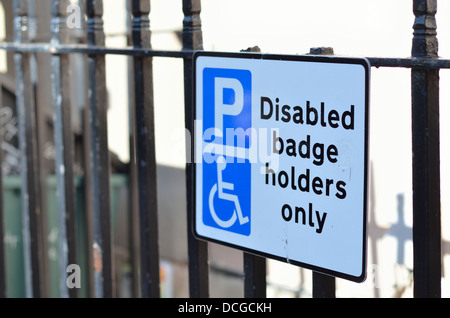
(424, 64)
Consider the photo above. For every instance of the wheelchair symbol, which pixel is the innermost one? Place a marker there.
(219, 187)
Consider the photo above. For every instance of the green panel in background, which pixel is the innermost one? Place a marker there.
(13, 234)
(15, 268)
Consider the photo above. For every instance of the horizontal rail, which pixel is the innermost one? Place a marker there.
(411, 62)
(407, 62)
(91, 50)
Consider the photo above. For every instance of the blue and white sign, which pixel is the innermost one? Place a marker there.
(227, 100)
(281, 154)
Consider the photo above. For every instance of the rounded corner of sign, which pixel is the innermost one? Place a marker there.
(197, 235)
(198, 54)
(195, 55)
(361, 278)
(364, 62)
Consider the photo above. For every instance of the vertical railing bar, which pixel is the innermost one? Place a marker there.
(30, 191)
(3, 280)
(425, 147)
(20, 12)
(255, 284)
(145, 151)
(324, 286)
(133, 195)
(255, 267)
(197, 250)
(87, 184)
(99, 155)
(41, 163)
(87, 191)
(133, 184)
(64, 152)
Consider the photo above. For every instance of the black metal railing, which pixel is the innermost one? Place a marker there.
(424, 64)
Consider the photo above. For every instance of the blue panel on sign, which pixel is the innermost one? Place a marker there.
(227, 103)
(227, 121)
(226, 202)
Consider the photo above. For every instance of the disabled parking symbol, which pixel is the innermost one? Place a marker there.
(227, 178)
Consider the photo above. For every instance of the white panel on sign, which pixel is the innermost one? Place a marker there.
(281, 156)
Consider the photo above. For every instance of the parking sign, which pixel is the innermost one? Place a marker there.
(281, 153)
(227, 105)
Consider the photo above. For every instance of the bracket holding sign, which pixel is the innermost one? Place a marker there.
(281, 157)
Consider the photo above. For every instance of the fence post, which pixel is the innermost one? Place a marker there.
(255, 267)
(197, 250)
(64, 152)
(28, 145)
(255, 283)
(134, 233)
(324, 286)
(145, 151)
(99, 164)
(425, 146)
